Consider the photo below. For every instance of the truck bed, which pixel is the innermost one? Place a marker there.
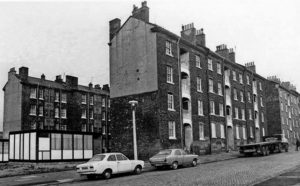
(260, 143)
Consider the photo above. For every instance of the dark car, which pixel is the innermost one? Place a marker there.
(173, 158)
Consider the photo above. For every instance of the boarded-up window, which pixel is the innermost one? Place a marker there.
(88, 142)
(67, 141)
(55, 141)
(77, 142)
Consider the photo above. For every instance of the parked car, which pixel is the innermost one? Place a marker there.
(107, 164)
(173, 158)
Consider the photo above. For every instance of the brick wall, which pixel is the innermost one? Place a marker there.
(147, 125)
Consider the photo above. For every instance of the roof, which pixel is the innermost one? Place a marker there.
(62, 85)
(158, 28)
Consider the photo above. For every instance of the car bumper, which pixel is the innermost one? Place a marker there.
(87, 172)
(158, 164)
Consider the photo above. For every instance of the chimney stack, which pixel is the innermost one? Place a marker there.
(200, 38)
(11, 73)
(114, 26)
(23, 72)
(223, 51)
(97, 86)
(43, 77)
(231, 55)
(251, 66)
(105, 87)
(58, 79)
(90, 85)
(71, 81)
(274, 78)
(189, 33)
(141, 13)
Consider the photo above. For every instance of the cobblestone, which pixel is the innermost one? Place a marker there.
(241, 171)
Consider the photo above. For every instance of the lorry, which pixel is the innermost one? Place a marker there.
(270, 144)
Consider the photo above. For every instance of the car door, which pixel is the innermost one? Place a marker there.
(178, 157)
(112, 163)
(185, 157)
(124, 164)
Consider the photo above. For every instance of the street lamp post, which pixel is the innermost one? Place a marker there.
(133, 104)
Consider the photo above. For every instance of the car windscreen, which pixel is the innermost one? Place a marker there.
(98, 157)
(164, 152)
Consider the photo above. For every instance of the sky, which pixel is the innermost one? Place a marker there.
(70, 37)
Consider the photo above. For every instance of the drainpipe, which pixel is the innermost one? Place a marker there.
(180, 92)
(245, 101)
(208, 105)
(224, 107)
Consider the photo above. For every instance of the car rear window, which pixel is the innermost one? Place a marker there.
(164, 152)
(98, 157)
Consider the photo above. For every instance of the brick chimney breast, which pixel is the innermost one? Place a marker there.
(189, 33)
(251, 66)
(71, 81)
(141, 13)
(200, 37)
(11, 73)
(58, 79)
(23, 72)
(231, 55)
(223, 51)
(114, 26)
(43, 77)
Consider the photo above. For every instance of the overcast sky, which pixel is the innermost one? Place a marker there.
(71, 37)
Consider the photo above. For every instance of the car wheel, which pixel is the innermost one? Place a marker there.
(286, 148)
(194, 163)
(174, 165)
(137, 170)
(107, 174)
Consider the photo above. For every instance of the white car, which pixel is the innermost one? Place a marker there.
(107, 164)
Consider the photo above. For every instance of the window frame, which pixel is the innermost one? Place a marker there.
(172, 129)
(170, 75)
(212, 108)
(219, 68)
(198, 61)
(211, 85)
(201, 132)
(170, 102)
(199, 84)
(210, 64)
(168, 48)
(33, 94)
(200, 108)
(213, 130)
